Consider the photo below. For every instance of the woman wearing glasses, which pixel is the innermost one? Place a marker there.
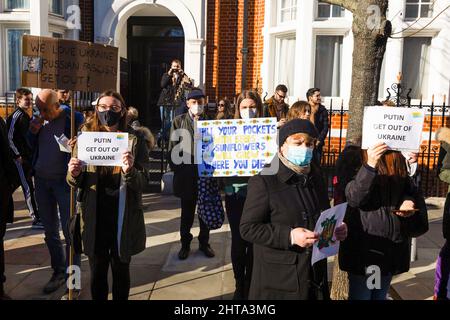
(112, 219)
(224, 110)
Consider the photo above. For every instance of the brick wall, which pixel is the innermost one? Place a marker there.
(87, 20)
(224, 43)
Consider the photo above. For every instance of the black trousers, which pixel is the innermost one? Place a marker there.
(241, 250)
(99, 264)
(24, 170)
(5, 203)
(187, 220)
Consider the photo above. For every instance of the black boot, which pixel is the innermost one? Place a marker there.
(3, 295)
(239, 294)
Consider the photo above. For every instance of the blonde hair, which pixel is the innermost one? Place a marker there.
(132, 113)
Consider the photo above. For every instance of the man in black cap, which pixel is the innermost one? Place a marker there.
(279, 217)
(185, 179)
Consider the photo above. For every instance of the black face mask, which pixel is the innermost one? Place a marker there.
(109, 118)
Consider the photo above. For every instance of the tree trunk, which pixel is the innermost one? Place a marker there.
(339, 284)
(370, 31)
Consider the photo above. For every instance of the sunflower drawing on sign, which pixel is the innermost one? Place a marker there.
(326, 236)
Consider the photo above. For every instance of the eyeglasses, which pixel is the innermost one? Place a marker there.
(103, 107)
(280, 96)
(221, 105)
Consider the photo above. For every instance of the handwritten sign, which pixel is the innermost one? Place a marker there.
(68, 64)
(327, 245)
(102, 148)
(400, 128)
(229, 148)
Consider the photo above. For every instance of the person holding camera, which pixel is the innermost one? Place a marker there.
(174, 85)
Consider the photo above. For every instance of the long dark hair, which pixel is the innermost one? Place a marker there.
(249, 94)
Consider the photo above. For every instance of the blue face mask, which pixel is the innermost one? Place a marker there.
(299, 155)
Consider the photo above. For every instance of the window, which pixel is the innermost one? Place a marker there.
(14, 38)
(55, 7)
(418, 9)
(57, 35)
(17, 4)
(325, 11)
(285, 61)
(287, 10)
(328, 65)
(416, 65)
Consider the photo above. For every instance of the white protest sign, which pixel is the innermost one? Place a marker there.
(235, 147)
(400, 128)
(327, 245)
(102, 148)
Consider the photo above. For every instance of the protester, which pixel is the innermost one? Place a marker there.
(185, 179)
(299, 110)
(52, 191)
(18, 124)
(276, 107)
(224, 110)
(175, 83)
(249, 106)
(382, 219)
(64, 97)
(133, 117)
(319, 116)
(9, 180)
(279, 215)
(442, 277)
(111, 233)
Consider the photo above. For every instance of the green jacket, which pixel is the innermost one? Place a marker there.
(131, 236)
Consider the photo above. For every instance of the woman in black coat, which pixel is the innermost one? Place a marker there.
(385, 209)
(280, 211)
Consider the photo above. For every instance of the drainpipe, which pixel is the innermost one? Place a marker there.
(244, 49)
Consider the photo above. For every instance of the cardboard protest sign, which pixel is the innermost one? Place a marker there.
(67, 64)
(239, 147)
(400, 128)
(327, 245)
(102, 148)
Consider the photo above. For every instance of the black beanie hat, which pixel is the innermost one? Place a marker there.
(297, 126)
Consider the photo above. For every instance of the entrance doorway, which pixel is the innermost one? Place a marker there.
(153, 42)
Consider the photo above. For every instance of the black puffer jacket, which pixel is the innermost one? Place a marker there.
(376, 235)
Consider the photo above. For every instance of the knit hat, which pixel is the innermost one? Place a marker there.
(297, 126)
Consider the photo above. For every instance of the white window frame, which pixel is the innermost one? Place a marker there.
(424, 34)
(316, 14)
(6, 53)
(3, 7)
(57, 14)
(291, 10)
(275, 53)
(419, 5)
(333, 33)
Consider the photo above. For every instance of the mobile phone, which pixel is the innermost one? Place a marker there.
(400, 211)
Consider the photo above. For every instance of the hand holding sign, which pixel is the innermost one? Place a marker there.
(374, 154)
(128, 162)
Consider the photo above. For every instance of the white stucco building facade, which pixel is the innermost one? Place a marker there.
(34, 17)
(111, 18)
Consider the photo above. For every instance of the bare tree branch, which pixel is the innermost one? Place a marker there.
(350, 5)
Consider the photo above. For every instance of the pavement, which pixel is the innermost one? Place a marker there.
(157, 274)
